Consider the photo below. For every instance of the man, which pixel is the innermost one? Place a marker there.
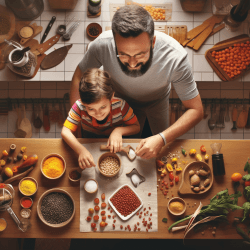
(143, 63)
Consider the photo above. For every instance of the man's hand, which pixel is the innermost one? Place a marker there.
(149, 147)
(115, 141)
(85, 159)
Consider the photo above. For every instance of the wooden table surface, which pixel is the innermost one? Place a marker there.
(235, 154)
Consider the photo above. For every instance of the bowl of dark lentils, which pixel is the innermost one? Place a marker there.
(56, 207)
(94, 30)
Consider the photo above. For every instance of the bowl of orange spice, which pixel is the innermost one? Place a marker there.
(53, 166)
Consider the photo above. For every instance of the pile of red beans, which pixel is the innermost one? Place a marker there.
(125, 201)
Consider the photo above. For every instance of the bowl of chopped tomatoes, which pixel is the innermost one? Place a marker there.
(125, 202)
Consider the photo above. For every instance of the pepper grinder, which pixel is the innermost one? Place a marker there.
(94, 6)
(217, 160)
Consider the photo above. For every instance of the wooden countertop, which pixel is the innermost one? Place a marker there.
(235, 154)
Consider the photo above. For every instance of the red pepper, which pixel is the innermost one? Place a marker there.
(176, 179)
(171, 176)
(247, 183)
(203, 149)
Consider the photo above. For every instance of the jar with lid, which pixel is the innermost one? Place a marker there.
(94, 6)
(24, 65)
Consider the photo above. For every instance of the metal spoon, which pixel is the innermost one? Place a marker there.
(212, 121)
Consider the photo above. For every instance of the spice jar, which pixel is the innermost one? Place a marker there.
(94, 6)
(24, 65)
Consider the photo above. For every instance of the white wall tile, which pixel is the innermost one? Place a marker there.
(207, 136)
(69, 76)
(47, 135)
(47, 15)
(79, 15)
(197, 76)
(52, 76)
(186, 136)
(230, 136)
(201, 64)
(207, 76)
(181, 16)
(72, 61)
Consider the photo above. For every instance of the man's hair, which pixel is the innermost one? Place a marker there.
(94, 85)
(132, 20)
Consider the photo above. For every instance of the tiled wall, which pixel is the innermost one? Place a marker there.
(58, 89)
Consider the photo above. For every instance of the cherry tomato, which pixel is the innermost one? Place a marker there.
(96, 217)
(91, 210)
(103, 196)
(171, 184)
(203, 149)
(171, 176)
(97, 208)
(103, 212)
(96, 201)
(176, 179)
(247, 183)
(103, 205)
(102, 224)
(236, 177)
(93, 225)
(103, 218)
(88, 218)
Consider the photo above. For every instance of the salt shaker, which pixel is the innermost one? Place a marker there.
(25, 65)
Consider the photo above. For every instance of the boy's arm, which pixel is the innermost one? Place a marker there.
(128, 129)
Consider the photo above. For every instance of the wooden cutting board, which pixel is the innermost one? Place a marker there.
(178, 32)
(220, 46)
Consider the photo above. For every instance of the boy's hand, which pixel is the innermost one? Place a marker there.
(85, 159)
(115, 141)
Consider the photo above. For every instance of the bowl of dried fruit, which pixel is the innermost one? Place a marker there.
(109, 164)
(94, 30)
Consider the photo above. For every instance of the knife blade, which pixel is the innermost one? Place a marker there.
(55, 57)
(46, 32)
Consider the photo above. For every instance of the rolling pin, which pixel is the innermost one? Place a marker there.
(124, 149)
(234, 118)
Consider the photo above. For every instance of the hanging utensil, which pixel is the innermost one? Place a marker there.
(220, 122)
(242, 119)
(234, 117)
(212, 121)
(61, 29)
(248, 117)
(205, 114)
(26, 125)
(227, 117)
(46, 32)
(46, 123)
(37, 121)
(53, 115)
(71, 30)
(61, 119)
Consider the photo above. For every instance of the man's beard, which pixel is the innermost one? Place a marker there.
(137, 72)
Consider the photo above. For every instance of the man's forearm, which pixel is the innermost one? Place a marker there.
(186, 122)
(74, 87)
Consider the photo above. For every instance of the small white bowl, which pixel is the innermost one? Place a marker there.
(85, 186)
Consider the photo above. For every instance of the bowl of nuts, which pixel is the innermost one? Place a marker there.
(109, 164)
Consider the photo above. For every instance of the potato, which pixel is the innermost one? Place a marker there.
(196, 189)
(206, 182)
(203, 173)
(202, 188)
(195, 180)
(191, 172)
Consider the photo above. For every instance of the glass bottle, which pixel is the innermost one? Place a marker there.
(94, 6)
(217, 160)
(24, 66)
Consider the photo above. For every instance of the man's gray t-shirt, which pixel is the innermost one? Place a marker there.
(150, 91)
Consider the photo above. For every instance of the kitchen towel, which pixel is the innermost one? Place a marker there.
(108, 186)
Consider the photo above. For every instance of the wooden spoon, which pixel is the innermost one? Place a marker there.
(26, 125)
(37, 121)
(242, 119)
(124, 149)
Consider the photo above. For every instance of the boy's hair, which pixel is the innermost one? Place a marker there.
(132, 20)
(94, 85)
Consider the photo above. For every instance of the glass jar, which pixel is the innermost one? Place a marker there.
(94, 6)
(24, 66)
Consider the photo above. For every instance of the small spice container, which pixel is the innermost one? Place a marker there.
(74, 175)
(25, 213)
(53, 166)
(177, 206)
(94, 30)
(109, 164)
(91, 186)
(28, 186)
(26, 202)
(3, 224)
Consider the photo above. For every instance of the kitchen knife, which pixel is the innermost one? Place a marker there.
(55, 57)
(46, 32)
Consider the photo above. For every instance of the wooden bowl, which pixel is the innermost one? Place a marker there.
(102, 157)
(179, 200)
(28, 199)
(58, 190)
(74, 180)
(86, 189)
(53, 155)
(27, 178)
(94, 25)
(185, 187)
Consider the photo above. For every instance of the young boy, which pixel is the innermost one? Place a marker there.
(100, 113)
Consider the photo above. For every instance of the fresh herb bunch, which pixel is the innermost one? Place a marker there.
(221, 204)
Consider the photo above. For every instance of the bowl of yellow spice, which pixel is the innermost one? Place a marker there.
(28, 186)
(53, 166)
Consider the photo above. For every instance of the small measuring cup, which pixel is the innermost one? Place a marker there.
(128, 150)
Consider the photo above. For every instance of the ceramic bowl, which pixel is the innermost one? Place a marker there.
(70, 174)
(105, 155)
(28, 199)
(31, 179)
(53, 155)
(58, 190)
(85, 186)
(177, 199)
(96, 26)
